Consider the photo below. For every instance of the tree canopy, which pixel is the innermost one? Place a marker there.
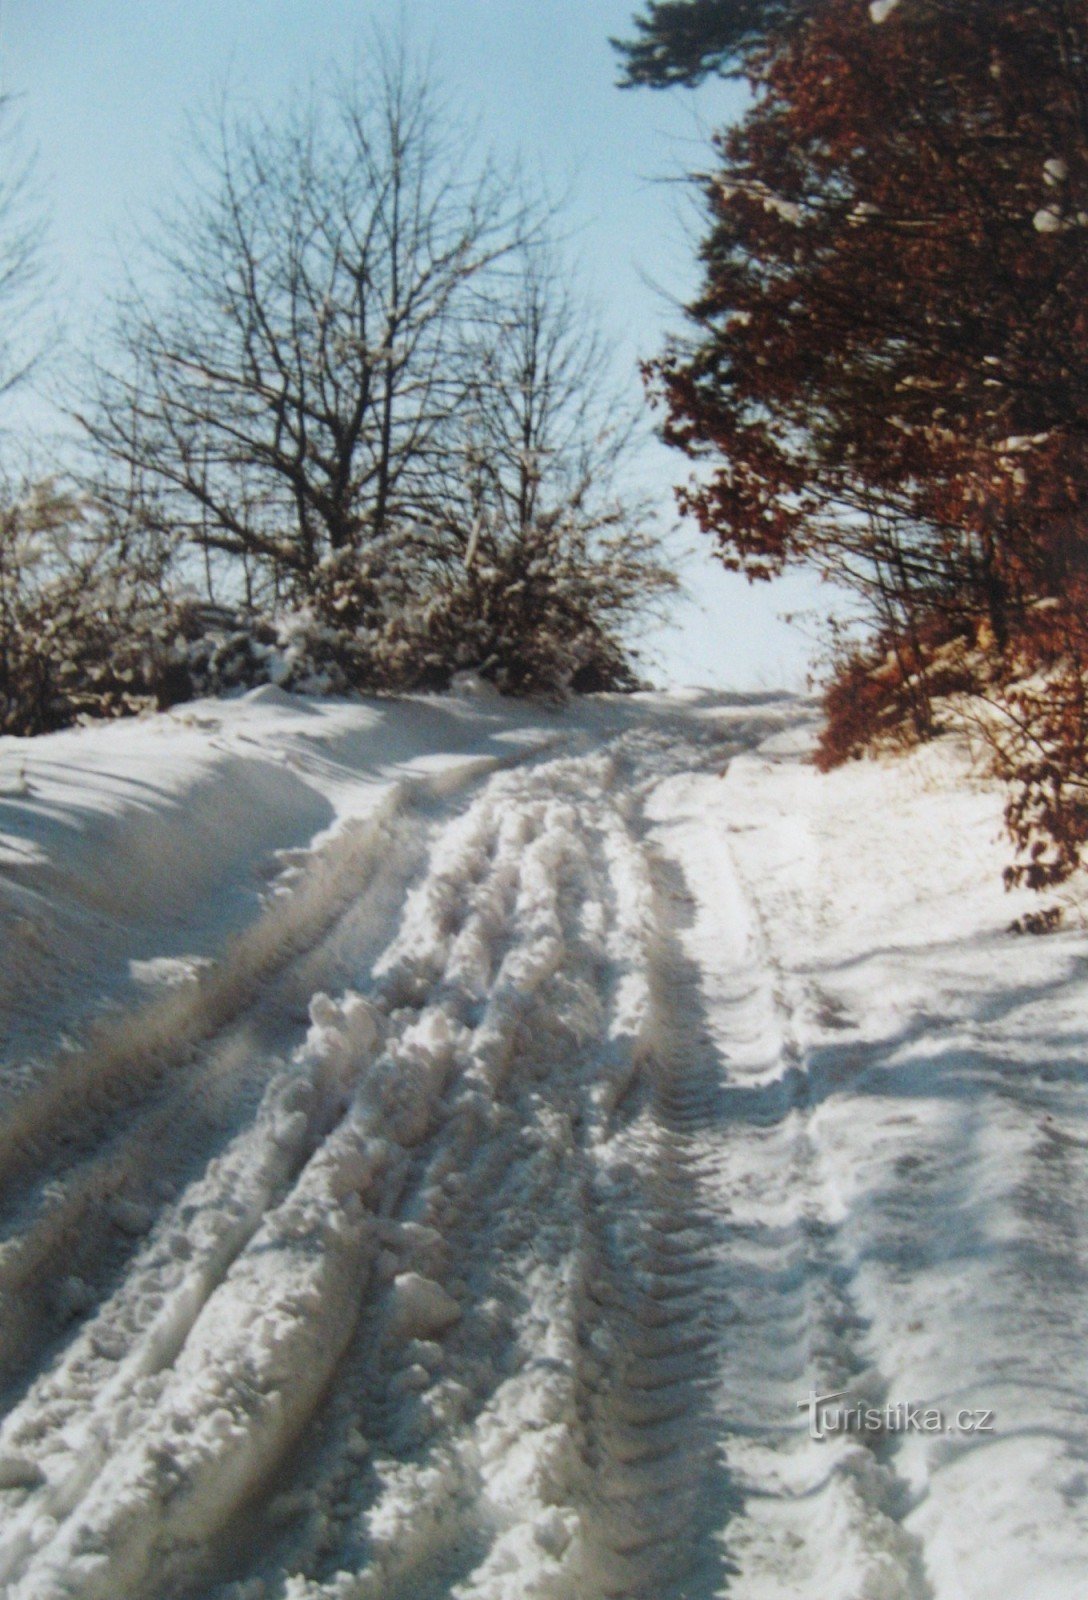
(885, 374)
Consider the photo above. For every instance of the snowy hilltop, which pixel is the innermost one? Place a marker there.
(453, 1148)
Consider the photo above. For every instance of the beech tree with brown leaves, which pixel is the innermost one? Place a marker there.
(886, 373)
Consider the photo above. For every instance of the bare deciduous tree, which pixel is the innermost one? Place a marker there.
(22, 232)
(359, 394)
(288, 393)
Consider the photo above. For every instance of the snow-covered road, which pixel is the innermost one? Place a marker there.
(443, 1148)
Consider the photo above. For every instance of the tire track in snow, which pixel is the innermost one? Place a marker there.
(114, 1367)
(551, 1067)
(654, 1495)
(501, 1146)
(788, 1315)
(396, 1102)
(518, 958)
(162, 1093)
(488, 1334)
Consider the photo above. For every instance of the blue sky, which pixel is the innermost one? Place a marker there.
(106, 89)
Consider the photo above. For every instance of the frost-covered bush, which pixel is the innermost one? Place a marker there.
(76, 636)
(536, 612)
(527, 637)
(99, 621)
(527, 631)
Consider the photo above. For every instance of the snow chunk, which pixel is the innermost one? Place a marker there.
(553, 1531)
(471, 685)
(408, 1081)
(881, 10)
(421, 1307)
(1017, 443)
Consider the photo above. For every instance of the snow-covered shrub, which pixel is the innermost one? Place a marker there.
(527, 630)
(536, 613)
(76, 637)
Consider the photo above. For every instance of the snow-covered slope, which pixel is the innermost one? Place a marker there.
(443, 1147)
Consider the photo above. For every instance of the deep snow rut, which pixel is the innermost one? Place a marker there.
(161, 1094)
(502, 1277)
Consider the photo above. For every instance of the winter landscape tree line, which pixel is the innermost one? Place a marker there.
(354, 429)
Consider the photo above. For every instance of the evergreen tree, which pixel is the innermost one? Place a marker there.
(684, 41)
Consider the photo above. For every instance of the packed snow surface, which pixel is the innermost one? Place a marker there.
(443, 1146)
